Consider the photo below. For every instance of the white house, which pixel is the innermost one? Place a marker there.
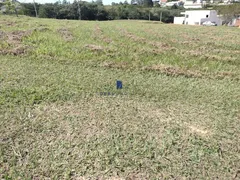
(193, 4)
(169, 4)
(198, 17)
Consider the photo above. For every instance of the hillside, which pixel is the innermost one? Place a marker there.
(61, 116)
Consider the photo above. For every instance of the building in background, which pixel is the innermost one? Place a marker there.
(198, 17)
(193, 4)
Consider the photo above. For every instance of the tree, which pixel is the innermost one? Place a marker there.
(133, 13)
(9, 7)
(42, 12)
(64, 2)
(125, 2)
(140, 2)
(47, 11)
(99, 2)
(229, 11)
(28, 9)
(147, 3)
(101, 13)
(133, 1)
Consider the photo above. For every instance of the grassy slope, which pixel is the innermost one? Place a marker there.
(179, 117)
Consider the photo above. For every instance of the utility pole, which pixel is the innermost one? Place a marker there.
(35, 8)
(79, 11)
(149, 16)
(161, 16)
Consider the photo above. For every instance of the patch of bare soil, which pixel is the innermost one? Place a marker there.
(66, 34)
(16, 37)
(14, 40)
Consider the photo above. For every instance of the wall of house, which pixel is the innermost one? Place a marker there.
(194, 17)
(192, 6)
(214, 18)
(198, 17)
(178, 20)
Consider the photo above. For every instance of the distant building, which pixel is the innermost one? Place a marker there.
(169, 4)
(163, 2)
(198, 17)
(190, 4)
(134, 3)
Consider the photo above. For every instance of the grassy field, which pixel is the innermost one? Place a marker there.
(177, 116)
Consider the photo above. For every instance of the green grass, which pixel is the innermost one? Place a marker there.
(177, 116)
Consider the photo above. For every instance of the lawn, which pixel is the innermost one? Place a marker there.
(61, 116)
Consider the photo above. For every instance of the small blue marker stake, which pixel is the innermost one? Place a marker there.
(119, 84)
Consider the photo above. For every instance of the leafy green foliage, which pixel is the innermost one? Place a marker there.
(28, 9)
(229, 11)
(96, 11)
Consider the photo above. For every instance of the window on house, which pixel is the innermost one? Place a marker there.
(187, 16)
(206, 16)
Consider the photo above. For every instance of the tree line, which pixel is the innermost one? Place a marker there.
(95, 10)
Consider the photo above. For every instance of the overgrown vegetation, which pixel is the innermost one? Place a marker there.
(177, 116)
(229, 12)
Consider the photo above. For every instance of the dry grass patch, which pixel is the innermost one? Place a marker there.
(94, 47)
(174, 71)
(14, 41)
(158, 45)
(198, 130)
(66, 34)
(177, 71)
(118, 65)
(98, 34)
(131, 36)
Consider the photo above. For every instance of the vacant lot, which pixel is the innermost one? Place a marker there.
(177, 116)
